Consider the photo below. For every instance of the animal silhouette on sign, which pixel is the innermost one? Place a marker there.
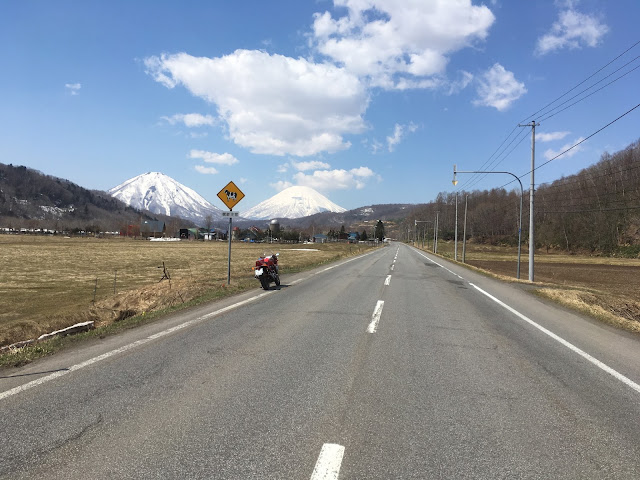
(230, 195)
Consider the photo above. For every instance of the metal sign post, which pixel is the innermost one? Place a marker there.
(230, 196)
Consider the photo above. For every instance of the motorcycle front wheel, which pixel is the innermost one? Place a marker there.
(277, 279)
(264, 282)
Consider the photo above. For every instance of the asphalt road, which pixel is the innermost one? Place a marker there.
(392, 365)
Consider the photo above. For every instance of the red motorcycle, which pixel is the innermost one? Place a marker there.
(266, 270)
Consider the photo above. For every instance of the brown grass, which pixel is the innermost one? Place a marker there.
(47, 283)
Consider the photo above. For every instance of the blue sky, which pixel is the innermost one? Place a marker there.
(368, 101)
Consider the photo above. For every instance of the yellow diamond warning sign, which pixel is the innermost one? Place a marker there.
(230, 195)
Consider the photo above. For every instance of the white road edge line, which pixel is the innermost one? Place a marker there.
(375, 318)
(104, 356)
(627, 381)
(387, 280)
(329, 462)
(603, 366)
(441, 266)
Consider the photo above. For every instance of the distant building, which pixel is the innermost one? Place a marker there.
(153, 228)
(320, 238)
(190, 234)
(211, 234)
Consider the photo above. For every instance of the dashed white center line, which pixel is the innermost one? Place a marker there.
(392, 267)
(329, 462)
(375, 318)
(387, 281)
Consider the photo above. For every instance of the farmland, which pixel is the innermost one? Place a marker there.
(47, 283)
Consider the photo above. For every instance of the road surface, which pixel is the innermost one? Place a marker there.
(392, 365)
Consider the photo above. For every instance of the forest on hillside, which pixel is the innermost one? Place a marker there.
(595, 210)
(31, 199)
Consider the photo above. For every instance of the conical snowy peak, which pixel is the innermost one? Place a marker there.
(293, 202)
(161, 194)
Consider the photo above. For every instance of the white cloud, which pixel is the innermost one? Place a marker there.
(281, 185)
(551, 136)
(572, 30)
(335, 179)
(190, 120)
(399, 133)
(314, 165)
(272, 104)
(198, 134)
(376, 146)
(217, 158)
(498, 88)
(464, 79)
(206, 170)
(283, 168)
(400, 45)
(549, 154)
(73, 88)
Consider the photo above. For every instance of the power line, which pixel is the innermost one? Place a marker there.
(583, 81)
(473, 180)
(584, 139)
(495, 163)
(575, 145)
(482, 167)
(591, 211)
(592, 93)
(553, 196)
(553, 184)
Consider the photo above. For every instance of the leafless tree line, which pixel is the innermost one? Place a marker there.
(597, 209)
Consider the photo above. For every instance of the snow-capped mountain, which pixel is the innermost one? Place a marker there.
(293, 202)
(161, 194)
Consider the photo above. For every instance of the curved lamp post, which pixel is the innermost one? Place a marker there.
(455, 182)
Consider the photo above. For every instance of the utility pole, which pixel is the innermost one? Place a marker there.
(464, 231)
(455, 242)
(435, 241)
(532, 243)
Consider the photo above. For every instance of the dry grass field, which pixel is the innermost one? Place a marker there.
(47, 283)
(602, 286)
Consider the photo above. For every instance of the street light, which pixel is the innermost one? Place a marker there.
(455, 241)
(455, 182)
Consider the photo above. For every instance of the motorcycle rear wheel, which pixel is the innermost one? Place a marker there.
(264, 282)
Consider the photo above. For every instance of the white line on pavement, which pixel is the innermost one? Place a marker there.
(104, 356)
(392, 267)
(91, 361)
(387, 280)
(603, 366)
(441, 266)
(329, 462)
(375, 318)
(570, 346)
